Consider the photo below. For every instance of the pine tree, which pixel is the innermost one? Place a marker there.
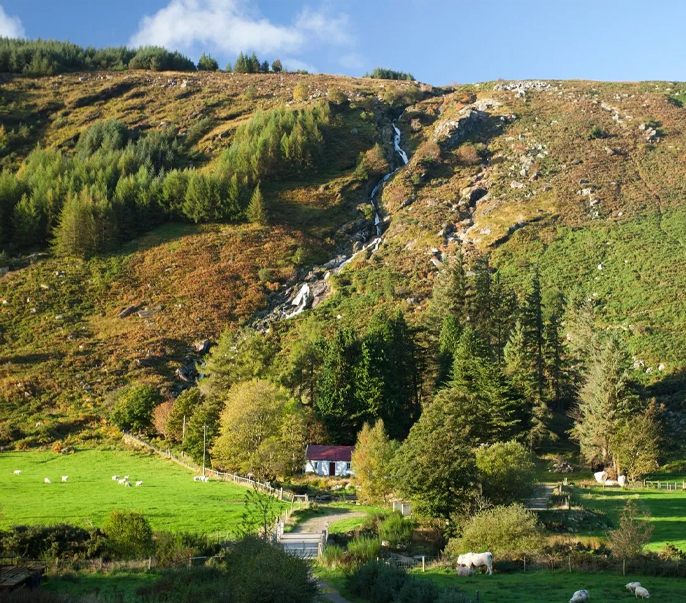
(559, 385)
(207, 63)
(503, 318)
(531, 318)
(337, 403)
(605, 402)
(449, 293)
(480, 300)
(277, 67)
(257, 212)
(448, 341)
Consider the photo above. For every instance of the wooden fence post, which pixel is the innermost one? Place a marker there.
(423, 565)
(623, 567)
(570, 563)
(525, 564)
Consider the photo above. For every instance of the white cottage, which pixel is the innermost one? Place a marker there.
(328, 460)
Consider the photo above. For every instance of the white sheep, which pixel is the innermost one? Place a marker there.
(580, 596)
(127, 484)
(115, 478)
(139, 483)
(641, 592)
(465, 571)
(17, 472)
(121, 481)
(47, 480)
(126, 477)
(197, 478)
(65, 478)
(632, 586)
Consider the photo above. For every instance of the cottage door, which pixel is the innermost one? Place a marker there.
(332, 468)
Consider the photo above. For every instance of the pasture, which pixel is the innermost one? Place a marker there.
(556, 586)
(667, 511)
(169, 497)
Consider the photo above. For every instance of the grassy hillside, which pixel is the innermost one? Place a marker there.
(63, 347)
(583, 181)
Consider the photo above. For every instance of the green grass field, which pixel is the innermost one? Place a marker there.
(169, 497)
(551, 587)
(667, 511)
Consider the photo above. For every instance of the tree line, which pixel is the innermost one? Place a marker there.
(119, 182)
(50, 57)
(380, 73)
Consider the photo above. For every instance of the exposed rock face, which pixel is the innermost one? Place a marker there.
(452, 131)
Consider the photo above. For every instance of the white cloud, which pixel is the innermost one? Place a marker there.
(325, 26)
(352, 61)
(10, 27)
(233, 25)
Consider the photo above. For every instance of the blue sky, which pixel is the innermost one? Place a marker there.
(439, 41)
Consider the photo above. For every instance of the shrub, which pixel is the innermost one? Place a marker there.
(596, 132)
(633, 533)
(333, 556)
(468, 154)
(301, 92)
(174, 548)
(504, 531)
(336, 96)
(507, 472)
(396, 529)
(377, 582)
(261, 571)
(250, 93)
(160, 417)
(59, 541)
(134, 406)
(129, 535)
(364, 549)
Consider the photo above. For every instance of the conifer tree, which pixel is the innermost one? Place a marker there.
(371, 462)
(337, 403)
(449, 293)
(606, 400)
(277, 67)
(448, 341)
(257, 212)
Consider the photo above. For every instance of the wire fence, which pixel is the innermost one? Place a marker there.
(267, 488)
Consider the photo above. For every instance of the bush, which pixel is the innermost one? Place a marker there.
(174, 548)
(507, 472)
(260, 571)
(363, 550)
(376, 581)
(396, 529)
(384, 583)
(301, 92)
(633, 533)
(596, 132)
(134, 406)
(336, 96)
(389, 74)
(129, 535)
(59, 541)
(504, 531)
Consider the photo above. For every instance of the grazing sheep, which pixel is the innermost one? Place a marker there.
(641, 592)
(126, 477)
(115, 478)
(65, 478)
(139, 483)
(632, 586)
(47, 480)
(465, 571)
(601, 476)
(197, 478)
(127, 484)
(580, 596)
(121, 481)
(17, 472)
(477, 560)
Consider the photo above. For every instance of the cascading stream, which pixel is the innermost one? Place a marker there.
(304, 294)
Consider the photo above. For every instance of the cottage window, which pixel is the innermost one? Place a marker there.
(347, 466)
(315, 465)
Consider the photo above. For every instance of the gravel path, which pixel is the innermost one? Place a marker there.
(318, 524)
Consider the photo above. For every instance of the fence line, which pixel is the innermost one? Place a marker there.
(227, 477)
(671, 485)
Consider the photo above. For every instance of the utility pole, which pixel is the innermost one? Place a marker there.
(204, 441)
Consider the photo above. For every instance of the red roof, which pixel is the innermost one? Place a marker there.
(328, 453)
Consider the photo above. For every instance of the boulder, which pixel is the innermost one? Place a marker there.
(128, 311)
